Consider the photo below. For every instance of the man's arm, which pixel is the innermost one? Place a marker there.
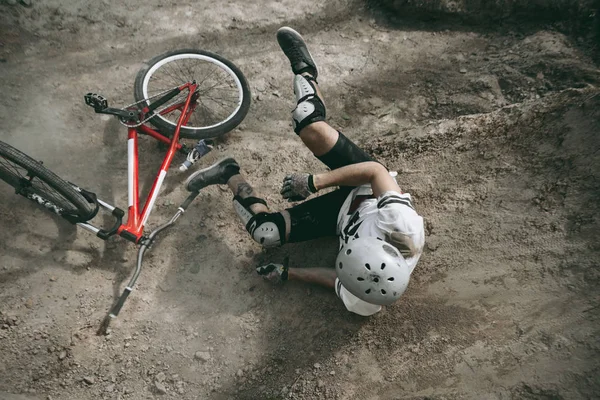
(319, 276)
(358, 174)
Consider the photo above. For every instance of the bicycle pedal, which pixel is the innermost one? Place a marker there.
(96, 101)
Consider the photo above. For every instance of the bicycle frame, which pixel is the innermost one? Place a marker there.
(137, 216)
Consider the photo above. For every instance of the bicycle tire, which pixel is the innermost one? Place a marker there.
(56, 194)
(167, 127)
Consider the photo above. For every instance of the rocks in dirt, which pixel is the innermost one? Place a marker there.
(11, 2)
(317, 366)
(462, 70)
(7, 321)
(62, 355)
(203, 356)
(29, 303)
(160, 388)
(433, 243)
(160, 377)
(89, 380)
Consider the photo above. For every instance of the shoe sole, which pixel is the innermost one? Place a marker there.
(294, 32)
(195, 174)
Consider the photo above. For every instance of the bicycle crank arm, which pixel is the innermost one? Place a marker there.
(146, 243)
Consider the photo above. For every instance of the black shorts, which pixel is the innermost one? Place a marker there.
(318, 217)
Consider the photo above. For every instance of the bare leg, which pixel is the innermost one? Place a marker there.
(240, 187)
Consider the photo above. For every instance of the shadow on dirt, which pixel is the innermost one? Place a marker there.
(578, 16)
(299, 326)
(580, 19)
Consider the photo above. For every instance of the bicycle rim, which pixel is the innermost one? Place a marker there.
(220, 90)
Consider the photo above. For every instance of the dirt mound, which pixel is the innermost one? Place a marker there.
(498, 150)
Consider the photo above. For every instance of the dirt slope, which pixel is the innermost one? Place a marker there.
(493, 130)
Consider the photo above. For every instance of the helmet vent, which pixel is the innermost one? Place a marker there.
(341, 265)
(360, 279)
(383, 291)
(382, 266)
(391, 279)
(348, 252)
(367, 266)
(368, 291)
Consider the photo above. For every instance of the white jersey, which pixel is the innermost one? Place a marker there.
(391, 212)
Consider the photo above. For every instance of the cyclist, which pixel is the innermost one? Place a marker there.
(381, 234)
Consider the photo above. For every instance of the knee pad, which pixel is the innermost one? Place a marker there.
(304, 88)
(267, 229)
(310, 107)
(307, 112)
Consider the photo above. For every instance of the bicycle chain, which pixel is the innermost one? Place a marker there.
(152, 114)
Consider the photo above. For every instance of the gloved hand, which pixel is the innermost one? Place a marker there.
(274, 272)
(297, 187)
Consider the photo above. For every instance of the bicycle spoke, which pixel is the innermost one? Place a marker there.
(217, 87)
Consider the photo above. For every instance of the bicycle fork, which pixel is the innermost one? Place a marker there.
(145, 244)
(104, 234)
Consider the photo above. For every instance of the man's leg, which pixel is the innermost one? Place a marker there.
(309, 220)
(267, 229)
(327, 144)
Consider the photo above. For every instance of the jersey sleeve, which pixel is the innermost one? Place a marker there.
(390, 198)
(396, 213)
(353, 303)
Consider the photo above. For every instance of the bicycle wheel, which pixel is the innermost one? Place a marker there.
(35, 182)
(224, 96)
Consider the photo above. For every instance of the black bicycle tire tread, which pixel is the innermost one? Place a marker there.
(198, 133)
(83, 207)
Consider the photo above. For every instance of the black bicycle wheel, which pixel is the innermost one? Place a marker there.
(35, 182)
(224, 95)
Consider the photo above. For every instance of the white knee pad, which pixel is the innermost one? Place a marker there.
(303, 88)
(265, 233)
(309, 107)
(306, 112)
(267, 229)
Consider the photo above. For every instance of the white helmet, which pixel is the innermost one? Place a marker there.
(372, 270)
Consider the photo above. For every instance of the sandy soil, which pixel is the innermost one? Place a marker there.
(494, 130)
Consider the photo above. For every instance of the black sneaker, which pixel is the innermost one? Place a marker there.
(217, 174)
(295, 49)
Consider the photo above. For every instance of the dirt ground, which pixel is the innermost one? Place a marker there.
(492, 128)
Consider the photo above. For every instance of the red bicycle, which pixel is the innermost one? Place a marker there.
(182, 94)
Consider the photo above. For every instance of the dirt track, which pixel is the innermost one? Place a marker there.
(493, 130)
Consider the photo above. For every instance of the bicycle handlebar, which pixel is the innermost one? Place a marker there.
(116, 308)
